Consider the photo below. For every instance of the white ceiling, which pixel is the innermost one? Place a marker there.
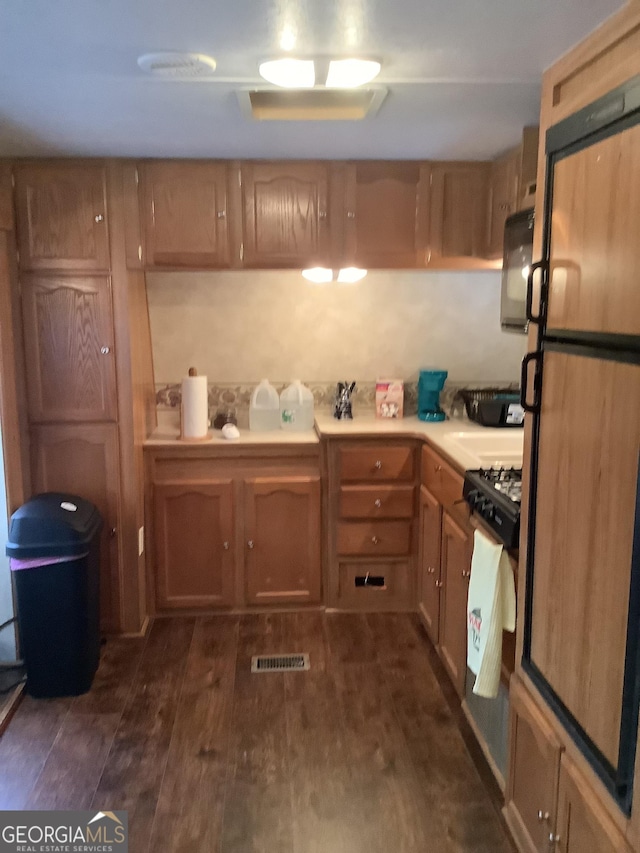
(463, 75)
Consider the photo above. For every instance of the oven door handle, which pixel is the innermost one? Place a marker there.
(536, 358)
(538, 318)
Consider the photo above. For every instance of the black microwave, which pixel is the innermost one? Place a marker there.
(518, 248)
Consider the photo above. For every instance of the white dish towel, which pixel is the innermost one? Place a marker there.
(491, 608)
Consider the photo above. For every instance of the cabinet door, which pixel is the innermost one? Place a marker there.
(457, 544)
(62, 217)
(83, 460)
(381, 226)
(429, 573)
(193, 540)
(532, 783)
(68, 335)
(282, 530)
(286, 221)
(458, 211)
(503, 199)
(583, 823)
(186, 215)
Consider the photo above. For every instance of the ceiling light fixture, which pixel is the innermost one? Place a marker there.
(289, 73)
(351, 73)
(323, 275)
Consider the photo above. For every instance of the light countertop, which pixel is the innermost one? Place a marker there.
(448, 437)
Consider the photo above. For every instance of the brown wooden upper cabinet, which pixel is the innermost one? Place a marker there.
(186, 215)
(62, 217)
(68, 325)
(511, 187)
(503, 198)
(286, 221)
(457, 214)
(381, 215)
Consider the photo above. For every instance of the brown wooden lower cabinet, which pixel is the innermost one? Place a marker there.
(194, 544)
(282, 532)
(457, 546)
(223, 538)
(82, 459)
(532, 783)
(550, 806)
(429, 563)
(582, 823)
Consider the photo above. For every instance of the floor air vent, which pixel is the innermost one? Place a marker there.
(279, 663)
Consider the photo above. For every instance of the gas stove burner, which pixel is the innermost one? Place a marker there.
(495, 495)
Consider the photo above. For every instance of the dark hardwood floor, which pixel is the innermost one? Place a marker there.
(365, 753)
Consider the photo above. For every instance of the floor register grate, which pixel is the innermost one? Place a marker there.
(280, 663)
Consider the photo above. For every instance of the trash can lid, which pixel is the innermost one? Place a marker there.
(53, 525)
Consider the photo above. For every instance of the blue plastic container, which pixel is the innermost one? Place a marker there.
(430, 384)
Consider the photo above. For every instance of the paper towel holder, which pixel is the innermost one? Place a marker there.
(192, 372)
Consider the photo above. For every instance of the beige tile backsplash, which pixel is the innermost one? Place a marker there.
(243, 326)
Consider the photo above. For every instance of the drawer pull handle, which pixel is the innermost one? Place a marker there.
(250, 545)
(542, 816)
(377, 503)
(378, 464)
(375, 540)
(225, 545)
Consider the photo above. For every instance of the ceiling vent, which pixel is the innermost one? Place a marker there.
(176, 65)
(311, 104)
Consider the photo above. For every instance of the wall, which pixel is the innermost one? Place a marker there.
(242, 326)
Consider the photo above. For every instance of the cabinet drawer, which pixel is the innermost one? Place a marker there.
(376, 463)
(374, 586)
(376, 501)
(374, 537)
(439, 477)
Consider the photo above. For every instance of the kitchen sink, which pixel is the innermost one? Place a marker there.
(491, 447)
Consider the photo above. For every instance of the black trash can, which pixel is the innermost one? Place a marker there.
(54, 546)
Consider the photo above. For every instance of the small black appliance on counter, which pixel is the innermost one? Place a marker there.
(493, 407)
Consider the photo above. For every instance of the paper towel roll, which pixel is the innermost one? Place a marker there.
(195, 408)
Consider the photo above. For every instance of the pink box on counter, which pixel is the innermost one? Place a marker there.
(389, 398)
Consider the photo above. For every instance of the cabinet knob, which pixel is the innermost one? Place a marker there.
(437, 467)
(98, 218)
(351, 215)
(113, 531)
(105, 350)
(250, 545)
(431, 570)
(439, 584)
(542, 816)
(466, 574)
(377, 503)
(221, 214)
(322, 214)
(375, 540)
(553, 840)
(225, 545)
(378, 464)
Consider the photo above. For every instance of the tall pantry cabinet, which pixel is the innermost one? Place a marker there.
(76, 300)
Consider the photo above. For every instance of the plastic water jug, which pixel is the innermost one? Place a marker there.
(296, 407)
(264, 409)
